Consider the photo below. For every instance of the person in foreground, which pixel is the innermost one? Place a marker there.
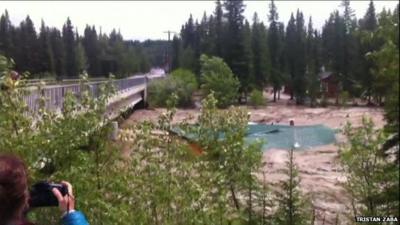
(14, 195)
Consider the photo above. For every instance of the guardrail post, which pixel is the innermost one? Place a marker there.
(114, 131)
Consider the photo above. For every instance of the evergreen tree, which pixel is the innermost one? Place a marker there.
(300, 84)
(188, 59)
(372, 178)
(27, 54)
(290, 52)
(293, 208)
(46, 58)
(275, 49)
(334, 32)
(6, 43)
(218, 29)
(351, 61)
(81, 60)
(369, 22)
(248, 81)
(57, 46)
(368, 25)
(260, 52)
(348, 15)
(205, 44)
(90, 44)
(188, 33)
(211, 35)
(236, 55)
(281, 57)
(68, 36)
(313, 62)
(176, 53)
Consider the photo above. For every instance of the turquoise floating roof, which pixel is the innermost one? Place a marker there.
(283, 136)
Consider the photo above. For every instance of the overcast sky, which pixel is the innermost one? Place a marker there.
(140, 20)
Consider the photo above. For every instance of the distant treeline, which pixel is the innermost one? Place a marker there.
(292, 55)
(65, 53)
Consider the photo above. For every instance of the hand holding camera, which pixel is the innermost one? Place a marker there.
(66, 203)
(44, 194)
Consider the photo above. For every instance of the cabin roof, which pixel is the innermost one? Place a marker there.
(325, 75)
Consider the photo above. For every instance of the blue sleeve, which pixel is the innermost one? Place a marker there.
(74, 218)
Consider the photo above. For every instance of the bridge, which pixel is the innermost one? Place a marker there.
(129, 92)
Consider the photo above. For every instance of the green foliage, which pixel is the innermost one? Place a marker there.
(257, 98)
(66, 54)
(293, 208)
(69, 145)
(186, 76)
(386, 60)
(260, 52)
(171, 186)
(344, 97)
(372, 178)
(181, 82)
(218, 78)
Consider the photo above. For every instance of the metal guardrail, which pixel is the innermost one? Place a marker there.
(54, 94)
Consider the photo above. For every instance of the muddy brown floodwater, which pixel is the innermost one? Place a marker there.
(320, 173)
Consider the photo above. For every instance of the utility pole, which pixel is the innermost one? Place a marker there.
(168, 57)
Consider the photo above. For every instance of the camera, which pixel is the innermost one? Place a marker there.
(41, 194)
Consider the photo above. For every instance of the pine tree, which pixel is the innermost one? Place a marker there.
(348, 15)
(91, 46)
(334, 32)
(369, 22)
(290, 52)
(218, 29)
(293, 208)
(275, 49)
(367, 25)
(6, 43)
(46, 59)
(204, 36)
(27, 53)
(260, 52)
(313, 62)
(176, 53)
(235, 48)
(81, 60)
(300, 84)
(188, 33)
(71, 68)
(248, 82)
(57, 46)
(350, 49)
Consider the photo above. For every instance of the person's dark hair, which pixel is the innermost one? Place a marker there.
(13, 188)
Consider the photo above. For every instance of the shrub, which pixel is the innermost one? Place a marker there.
(181, 82)
(71, 145)
(372, 179)
(344, 97)
(186, 76)
(257, 98)
(217, 77)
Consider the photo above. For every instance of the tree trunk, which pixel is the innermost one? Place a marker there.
(235, 201)
(250, 207)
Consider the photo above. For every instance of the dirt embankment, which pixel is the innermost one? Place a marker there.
(319, 169)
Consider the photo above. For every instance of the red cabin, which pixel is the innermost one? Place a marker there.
(329, 84)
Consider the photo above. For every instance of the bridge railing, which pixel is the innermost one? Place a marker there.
(55, 94)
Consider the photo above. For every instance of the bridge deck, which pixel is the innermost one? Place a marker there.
(130, 91)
